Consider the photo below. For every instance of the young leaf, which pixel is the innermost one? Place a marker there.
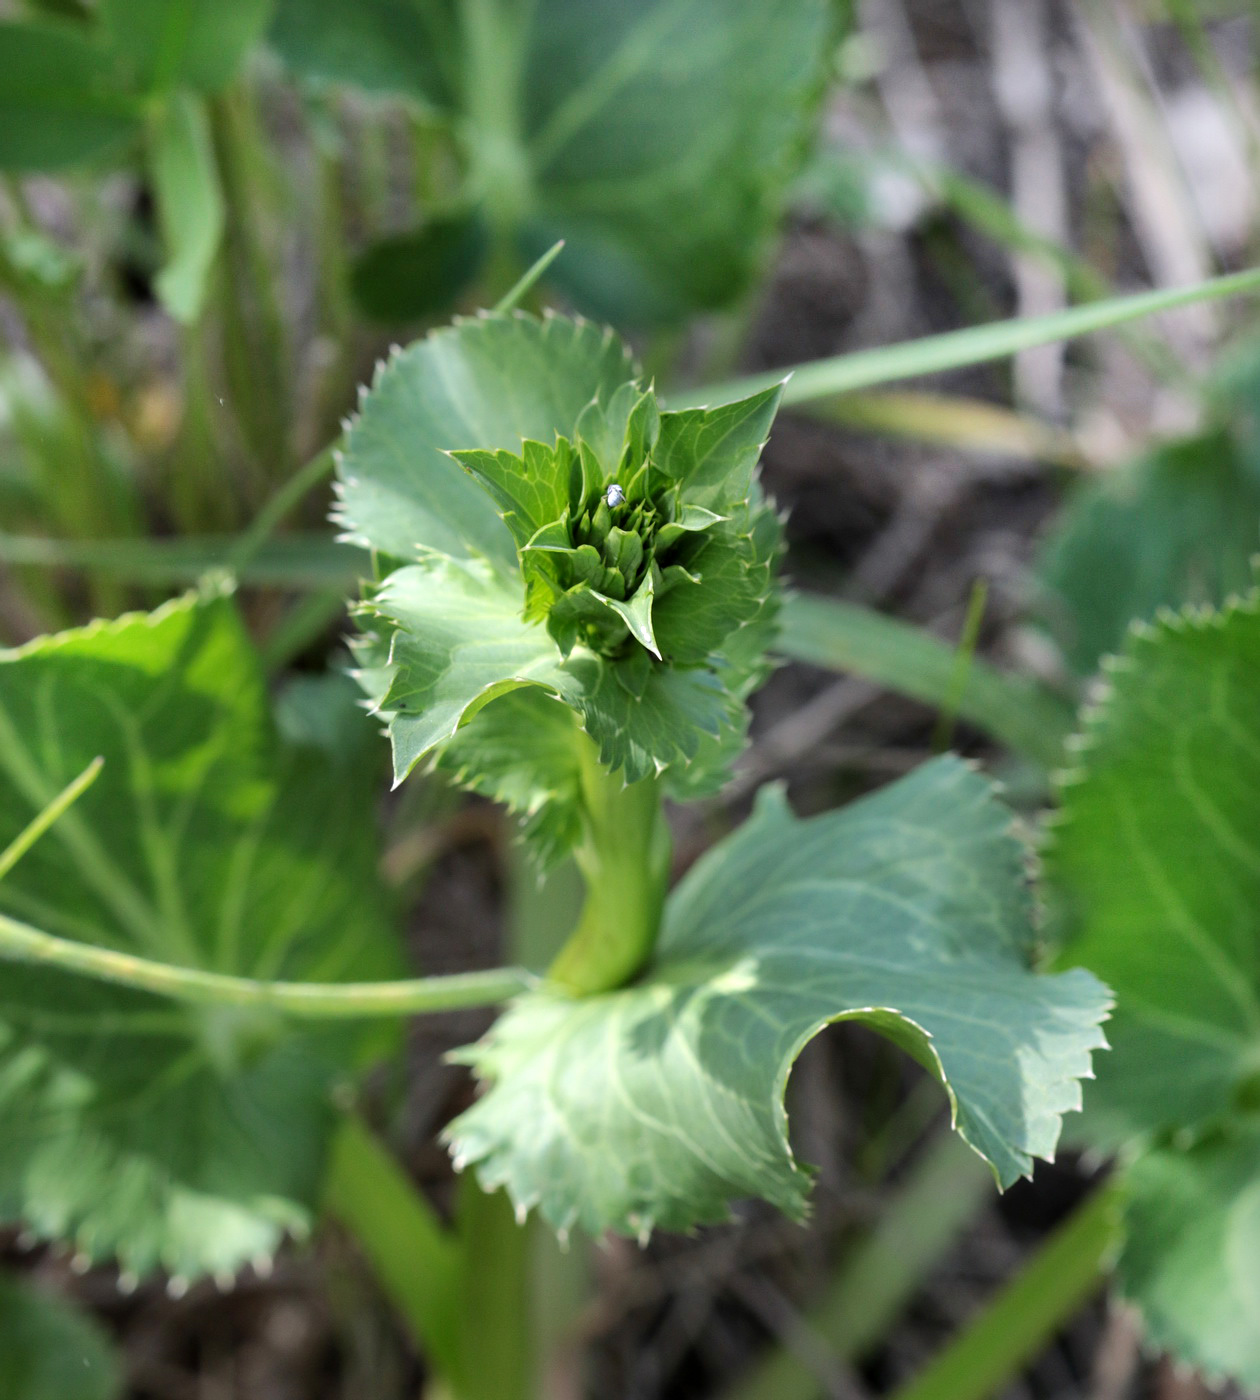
(487, 383)
(661, 1103)
(458, 642)
(712, 451)
(59, 99)
(49, 1350)
(521, 749)
(189, 203)
(182, 1136)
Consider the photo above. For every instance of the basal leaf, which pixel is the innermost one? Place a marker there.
(487, 383)
(660, 1103)
(1177, 526)
(186, 1137)
(59, 99)
(597, 121)
(628, 110)
(1155, 867)
(49, 1350)
(1191, 1263)
(166, 44)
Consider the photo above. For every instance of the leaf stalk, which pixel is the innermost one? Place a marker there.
(309, 1000)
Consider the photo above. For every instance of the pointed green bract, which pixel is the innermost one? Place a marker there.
(182, 1137)
(661, 1103)
(554, 528)
(1154, 870)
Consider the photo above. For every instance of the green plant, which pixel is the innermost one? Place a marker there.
(641, 1083)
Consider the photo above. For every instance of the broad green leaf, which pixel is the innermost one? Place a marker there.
(186, 1137)
(1154, 866)
(167, 44)
(596, 121)
(49, 1350)
(661, 1103)
(421, 273)
(59, 99)
(402, 47)
(629, 110)
(1191, 1262)
(1179, 525)
(486, 383)
(847, 637)
(189, 203)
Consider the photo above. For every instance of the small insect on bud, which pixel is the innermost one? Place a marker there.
(615, 496)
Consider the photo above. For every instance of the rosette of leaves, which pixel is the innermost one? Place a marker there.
(572, 601)
(542, 525)
(1154, 866)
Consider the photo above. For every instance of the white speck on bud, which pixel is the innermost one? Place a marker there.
(614, 496)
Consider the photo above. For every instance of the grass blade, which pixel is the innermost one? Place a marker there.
(1024, 716)
(843, 373)
(415, 1259)
(1063, 1273)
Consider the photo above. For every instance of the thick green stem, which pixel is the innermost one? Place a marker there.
(321, 1000)
(624, 859)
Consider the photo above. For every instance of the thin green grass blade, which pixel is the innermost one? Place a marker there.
(415, 1259)
(1058, 1279)
(841, 374)
(1026, 717)
(31, 833)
